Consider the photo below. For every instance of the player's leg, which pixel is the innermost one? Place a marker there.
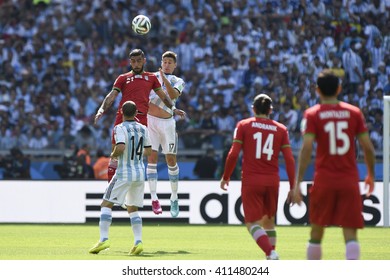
(169, 141)
(151, 173)
(270, 204)
(350, 218)
(134, 200)
(352, 246)
(105, 220)
(261, 238)
(151, 169)
(104, 226)
(253, 201)
(314, 249)
(269, 227)
(173, 173)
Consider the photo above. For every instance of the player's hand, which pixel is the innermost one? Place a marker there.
(295, 195)
(113, 163)
(369, 184)
(224, 184)
(180, 113)
(289, 199)
(162, 75)
(99, 115)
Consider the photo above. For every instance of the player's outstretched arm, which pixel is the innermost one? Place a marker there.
(107, 102)
(369, 158)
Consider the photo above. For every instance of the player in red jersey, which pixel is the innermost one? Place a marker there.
(335, 195)
(261, 140)
(135, 86)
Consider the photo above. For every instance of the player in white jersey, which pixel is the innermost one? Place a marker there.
(131, 143)
(162, 131)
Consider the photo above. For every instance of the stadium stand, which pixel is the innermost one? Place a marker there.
(59, 58)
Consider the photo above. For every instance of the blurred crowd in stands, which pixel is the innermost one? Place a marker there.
(58, 60)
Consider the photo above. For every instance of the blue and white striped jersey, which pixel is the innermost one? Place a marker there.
(135, 136)
(176, 83)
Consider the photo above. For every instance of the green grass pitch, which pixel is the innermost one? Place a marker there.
(176, 242)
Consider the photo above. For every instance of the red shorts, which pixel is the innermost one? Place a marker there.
(140, 117)
(259, 200)
(338, 204)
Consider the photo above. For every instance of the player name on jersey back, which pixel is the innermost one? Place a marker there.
(264, 126)
(332, 114)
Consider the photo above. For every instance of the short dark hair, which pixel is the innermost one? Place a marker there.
(327, 82)
(170, 54)
(129, 109)
(262, 104)
(136, 52)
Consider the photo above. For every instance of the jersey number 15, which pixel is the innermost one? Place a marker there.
(336, 132)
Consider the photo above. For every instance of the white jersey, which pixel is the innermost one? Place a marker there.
(176, 83)
(135, 136)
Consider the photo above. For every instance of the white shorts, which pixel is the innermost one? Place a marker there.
(119, 191)
(162, 132)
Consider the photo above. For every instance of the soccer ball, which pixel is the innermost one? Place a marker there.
(141, 25)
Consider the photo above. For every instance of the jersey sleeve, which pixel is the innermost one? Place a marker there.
(232, 157)
(119, 135)
(238, 135)
(285, 139)
(156, 83)
(179, 85)
(147, 143)
(118, 84)
(308, 124)
(362, 125)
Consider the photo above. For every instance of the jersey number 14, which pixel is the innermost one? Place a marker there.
(267, 148)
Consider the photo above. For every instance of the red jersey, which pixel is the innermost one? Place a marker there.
(262, 140)
(335, 127)
(136, 87)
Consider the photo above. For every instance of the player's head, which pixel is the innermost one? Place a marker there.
(262, 104)
(168, 62)
(129, 110)
(328, 84)
(137, 60)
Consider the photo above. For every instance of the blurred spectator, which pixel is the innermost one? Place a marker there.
(84, 151)
(206, 166)
(38, 140)
(60, 47)
(16, 165)
(74, 167)
(101, 165)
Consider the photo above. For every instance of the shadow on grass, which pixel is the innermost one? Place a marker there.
(146, 254)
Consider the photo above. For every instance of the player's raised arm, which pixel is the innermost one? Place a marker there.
(107, 102)
(173, 93)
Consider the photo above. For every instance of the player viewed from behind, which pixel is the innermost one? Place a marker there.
(335, 194)
(261, 140)
(136, 86)
(162, 131)
(131, 143)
